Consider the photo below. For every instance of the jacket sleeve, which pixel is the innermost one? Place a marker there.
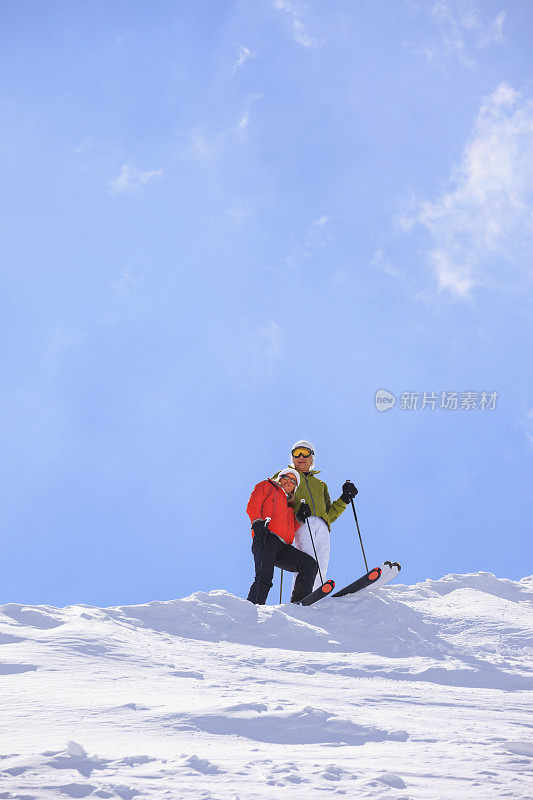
(294, 521)
(335, 509)
(255, 503)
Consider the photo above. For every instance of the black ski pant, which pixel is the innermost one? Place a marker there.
(271, 552)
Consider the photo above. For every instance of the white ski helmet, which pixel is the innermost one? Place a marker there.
(303, 443)
(290, 471)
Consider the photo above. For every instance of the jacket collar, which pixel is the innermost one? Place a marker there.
(311, 471)
(276, 484)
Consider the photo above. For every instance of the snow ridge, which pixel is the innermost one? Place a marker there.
(405, 691)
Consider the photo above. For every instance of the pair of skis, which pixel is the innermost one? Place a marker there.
(378, 576)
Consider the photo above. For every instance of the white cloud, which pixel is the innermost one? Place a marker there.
(266, 350)
(239, 212)
(488, 211)
(245, 118)
(319, 233)
(409, 282)
(204, 146)
(125, 285)
(383, 263)
(464, 25)
(87, 144)
(130, 178)
(317, 237)
(295, 21)
(493, 32)
(243, 123)
(244, 55)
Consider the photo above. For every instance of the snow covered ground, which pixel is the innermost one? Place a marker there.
(404, 692)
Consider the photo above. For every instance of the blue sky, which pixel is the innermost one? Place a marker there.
(225, 226)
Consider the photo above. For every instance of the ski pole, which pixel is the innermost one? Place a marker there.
(359, 532)
(314, 548)
(281, 587)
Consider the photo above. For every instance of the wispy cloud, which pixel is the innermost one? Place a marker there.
(131, 178)
(493, 32)
(488, 211)
(464, 25)
(125, 285)
(245, 54)
(243, 123)
(86, 145)
(317, 237)
(245, 119)
(319, 233)
(382, 262)
(205, 145)
(294, 17)
(266, 350)
(348, 278)
(239, 212)
(117, 43)
(127, 301)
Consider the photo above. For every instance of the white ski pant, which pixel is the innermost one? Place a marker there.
(302, 541)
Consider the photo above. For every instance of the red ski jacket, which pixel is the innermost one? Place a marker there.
(269, 500)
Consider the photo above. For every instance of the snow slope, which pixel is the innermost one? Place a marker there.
(404, 692)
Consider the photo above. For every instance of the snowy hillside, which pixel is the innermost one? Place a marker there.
(406, 692)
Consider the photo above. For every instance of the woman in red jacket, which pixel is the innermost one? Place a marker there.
(274, 524)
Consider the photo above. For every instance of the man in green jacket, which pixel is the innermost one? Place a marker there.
(324, 512)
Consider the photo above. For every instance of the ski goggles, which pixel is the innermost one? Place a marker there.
(298, 452)
(289, 477)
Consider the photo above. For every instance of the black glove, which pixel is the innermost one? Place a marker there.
(348, 491)
(303, 512)
(260, 529)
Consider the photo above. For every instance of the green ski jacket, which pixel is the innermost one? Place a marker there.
(315, 492)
